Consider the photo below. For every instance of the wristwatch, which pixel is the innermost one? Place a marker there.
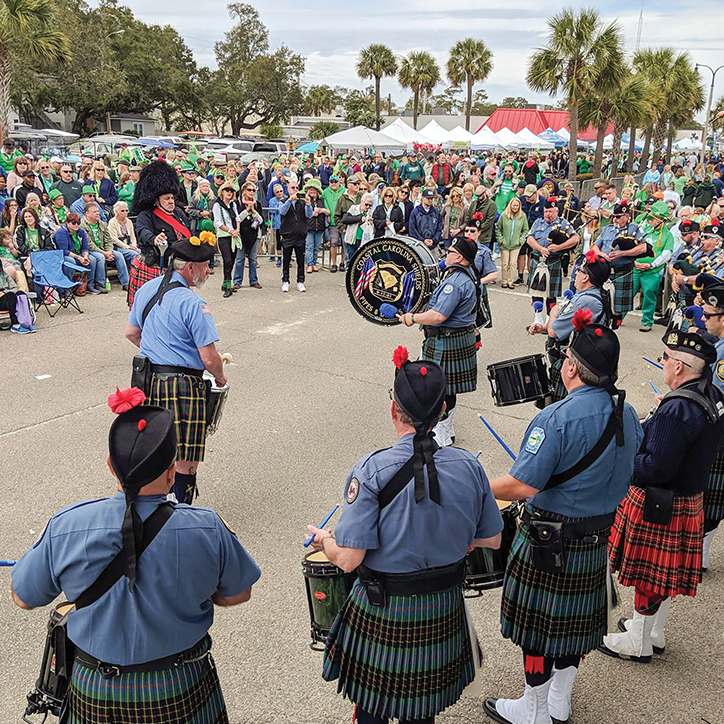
(412, 318)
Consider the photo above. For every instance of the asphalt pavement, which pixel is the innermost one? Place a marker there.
(308, 398)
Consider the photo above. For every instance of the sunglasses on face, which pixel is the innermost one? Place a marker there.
(666, 356)
(707, 315)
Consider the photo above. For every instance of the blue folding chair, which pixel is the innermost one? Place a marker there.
(48, 268)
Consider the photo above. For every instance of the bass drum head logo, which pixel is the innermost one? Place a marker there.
(393, 272)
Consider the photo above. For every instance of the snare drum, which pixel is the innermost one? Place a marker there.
(327, 590)
(524, 379)
(215, 402)
(398, 270)
(485, 567)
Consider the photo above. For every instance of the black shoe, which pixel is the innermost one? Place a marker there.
(227, 293)
(334, 268)
(93, 290)
(341, 266)
(125, 287)
(492, 712)
(638, 659)
(622, 628)
(103, 290)
(519, 280)
(663, 321)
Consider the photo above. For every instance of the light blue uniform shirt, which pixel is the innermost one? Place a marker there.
(176, 328)
(484, 261)
(718, 367)
(170, 607)
(559, 436)
(610, 233)
(407, 536)
(562, 325)
(541, 229)
(455, 298)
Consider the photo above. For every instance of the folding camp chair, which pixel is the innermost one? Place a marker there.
(48, 277)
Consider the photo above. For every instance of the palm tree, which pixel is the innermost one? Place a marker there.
(376, 61)
(31, 27)
(675, 89)
(579, 51)
(418, 72)
(470, 61)
(320, 98)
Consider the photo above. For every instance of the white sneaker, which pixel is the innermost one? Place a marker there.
(301, 287)
(285, 287)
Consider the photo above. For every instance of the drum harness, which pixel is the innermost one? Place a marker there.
(50, 690)
(555, 347)
(481, 318)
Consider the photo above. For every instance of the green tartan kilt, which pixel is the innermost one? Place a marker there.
(188, 694)
(558, 389)
(556, 276)
(623, 298)
(556, 614)
(714, 493)
(185, 396)
(457, 355)
(409, 660)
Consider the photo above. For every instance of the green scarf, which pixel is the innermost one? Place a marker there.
(31, 238)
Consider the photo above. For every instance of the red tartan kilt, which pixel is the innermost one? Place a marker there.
(665, 559)
(139, 274)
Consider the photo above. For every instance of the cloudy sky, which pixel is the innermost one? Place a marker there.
(330, 33)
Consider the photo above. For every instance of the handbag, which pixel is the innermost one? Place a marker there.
(82, 289)
(658, 505)
(51, 688)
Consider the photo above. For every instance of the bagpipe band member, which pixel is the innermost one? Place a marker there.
(450, 329)
(142, 647)
(591, 298)
(550, 239)
(400, 647)
(573, 469)
(656, 540)
(176, 335)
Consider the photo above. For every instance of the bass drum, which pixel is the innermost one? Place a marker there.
(397, 270)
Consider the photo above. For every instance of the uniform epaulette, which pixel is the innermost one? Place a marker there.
(73, 506)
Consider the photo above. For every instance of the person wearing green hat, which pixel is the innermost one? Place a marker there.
(55, 213)
(88, 195)
(317, 216)
(648, 271)
(187, 186)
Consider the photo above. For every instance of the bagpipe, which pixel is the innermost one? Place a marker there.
(541, 279)
(626, 242)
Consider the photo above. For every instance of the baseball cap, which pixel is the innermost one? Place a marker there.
(334, 177)
(428, 194)
(530, 189)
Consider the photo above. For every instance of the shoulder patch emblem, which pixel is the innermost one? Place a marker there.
(447, 289)
(719, 369)
(205, 308)
(227, 526)
(535, 440)
(352, 490)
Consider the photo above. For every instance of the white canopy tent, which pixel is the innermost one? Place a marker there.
(534, 141)
(360, 137)
(564, 133)
(435, 133)
(460, 134)
(400, 131)
(485, 140)
(688, 144)
(509, 139)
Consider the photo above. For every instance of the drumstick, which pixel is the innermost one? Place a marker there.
(309, 540)
(653, 387)
(651, 362)
(498, 438)
(226, 358)
(7, 563)
(389, 311)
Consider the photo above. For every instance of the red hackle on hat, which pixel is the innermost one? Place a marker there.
(400, 356)
(478, 216)
(124, 400)
(423, 371)
(141, 425)
(598, 332)
(715, 223)
(591, 256)
(552, 199)
(581, 319)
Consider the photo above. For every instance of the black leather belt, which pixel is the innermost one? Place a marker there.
(173, 370)
(196, 652)
(447, 331)
(430, 580)
(575, 530)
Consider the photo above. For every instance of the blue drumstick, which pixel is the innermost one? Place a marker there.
(7, 563)
(497, 437)
(653, 387)
(651, 362)
(389, 311)
(309, 540)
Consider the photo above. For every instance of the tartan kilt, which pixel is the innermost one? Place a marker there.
(558, 389)
(185, 396)
(623, 298)
(457, 355)
(189, 694)
(557, 614)
(556, 276)
(664, 559)
(409, 660)
(714, 493)
(138, 274)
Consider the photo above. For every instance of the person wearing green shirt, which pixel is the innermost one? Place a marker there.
(504, 189)
(8, 154)
(648, 271)
(605, 210)
(412, 169)
(583, 164)
(330, 196)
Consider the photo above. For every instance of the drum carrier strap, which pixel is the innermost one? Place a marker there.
(163, 289)
(399, 482)
(479, 313)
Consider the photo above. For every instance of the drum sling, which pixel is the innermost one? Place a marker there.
(547, 537)
(51, 687)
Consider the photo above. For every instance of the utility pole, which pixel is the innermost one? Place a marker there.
(708, 107)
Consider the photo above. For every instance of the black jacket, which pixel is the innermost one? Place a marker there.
(45, 240)
(149, 226)
(379, 219)
(317, 223)
(294, 225)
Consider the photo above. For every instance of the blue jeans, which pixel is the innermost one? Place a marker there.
(241, 256)
(349, 251)
(97, 273)
(314, 241)
(123, 259)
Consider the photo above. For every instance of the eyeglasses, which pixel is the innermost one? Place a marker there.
(706, 315)
(404, 193)
(666, 356)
